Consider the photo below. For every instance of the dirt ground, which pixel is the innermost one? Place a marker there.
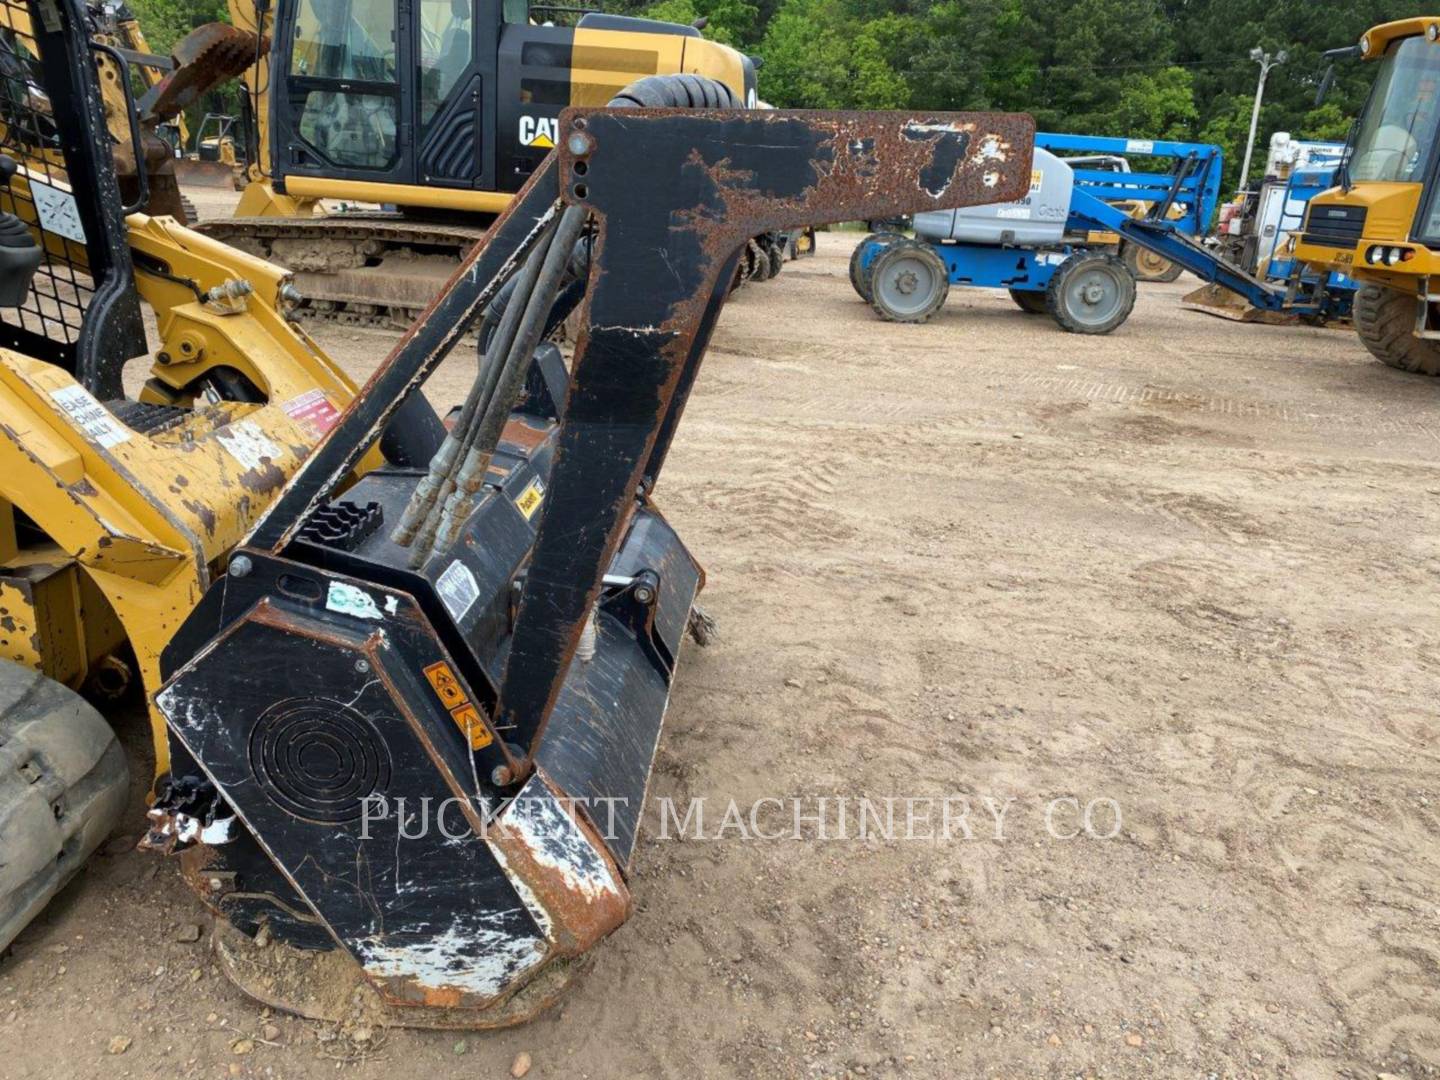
(1188, 568)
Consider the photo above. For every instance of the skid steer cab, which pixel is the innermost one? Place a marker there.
(131, 461)
(412, 729)
(1380, 223)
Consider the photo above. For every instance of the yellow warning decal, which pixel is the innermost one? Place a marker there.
(530, 499)
(467, 719)
(1037, 179)
(452, 695)
(446, 686)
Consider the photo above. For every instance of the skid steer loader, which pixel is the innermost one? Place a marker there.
(127, 470)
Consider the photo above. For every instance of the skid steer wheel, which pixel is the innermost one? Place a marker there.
(1148, 265)
(1032, 303)
(63, 785)
(909, 282)
(1091, 293)
(1385, 321)
(860, 275)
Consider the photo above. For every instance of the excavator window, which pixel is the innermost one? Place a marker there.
(345, 56)
(516, 11)
(447, 42)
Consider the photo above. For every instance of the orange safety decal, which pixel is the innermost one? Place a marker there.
(467, 719)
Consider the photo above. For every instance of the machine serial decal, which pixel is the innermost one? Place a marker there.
(458, 589)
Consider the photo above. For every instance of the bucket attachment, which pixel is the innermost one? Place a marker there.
(1213, 299)
(415, 723)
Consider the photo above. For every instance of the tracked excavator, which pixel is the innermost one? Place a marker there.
(405, 699)
(386, 137)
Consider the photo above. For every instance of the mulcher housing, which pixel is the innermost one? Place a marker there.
(518, 676)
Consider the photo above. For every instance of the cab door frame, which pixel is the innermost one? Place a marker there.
(291, 154)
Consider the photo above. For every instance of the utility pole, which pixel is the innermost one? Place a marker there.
(1266, 62)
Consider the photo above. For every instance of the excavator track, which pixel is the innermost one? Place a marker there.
(369, 268)
(381, 269)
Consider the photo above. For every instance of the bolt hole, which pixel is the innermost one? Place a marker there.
(580, 123)
(581, 168)
(581, 191)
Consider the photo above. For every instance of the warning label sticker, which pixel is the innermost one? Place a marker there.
(57, 210)
(446, 686)
(313, 410)
(91, 417)
(467, 719)
(530, 499)
(457, 589)
(452, 695)
(247, 444)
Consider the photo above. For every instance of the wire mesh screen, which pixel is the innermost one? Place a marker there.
(39, 193)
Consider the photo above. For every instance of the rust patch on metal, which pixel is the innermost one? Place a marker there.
(206, 57)
(263, 479)
(568, 870)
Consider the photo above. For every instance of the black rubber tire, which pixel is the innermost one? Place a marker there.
(65, 786)
(777, 261)
(1385, 321)
(1133, 256)
(1058, 294)
(922, 257)
(860, 277)
(1029, 301)
(676, 92)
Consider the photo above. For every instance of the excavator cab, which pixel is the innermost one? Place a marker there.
(409, 105)
(1381, 223)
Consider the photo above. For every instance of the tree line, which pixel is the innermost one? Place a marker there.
(1177, 69)
(1139, 68)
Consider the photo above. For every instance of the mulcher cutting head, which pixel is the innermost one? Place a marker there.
(417, 719)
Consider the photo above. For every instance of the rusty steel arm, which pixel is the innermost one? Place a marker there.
(428, 341)
(669, 236)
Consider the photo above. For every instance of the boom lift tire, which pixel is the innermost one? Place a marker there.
(1029, 301)
(909, 282)
(1091, 293)
(63, 784)
(860, 275)
(1385, 321)
(1148, 265)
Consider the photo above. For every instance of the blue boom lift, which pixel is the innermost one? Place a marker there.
(1042, 248)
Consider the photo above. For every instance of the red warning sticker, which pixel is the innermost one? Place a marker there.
(314, 410)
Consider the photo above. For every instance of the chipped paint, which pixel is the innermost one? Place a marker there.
(478, 953)
(247, 443)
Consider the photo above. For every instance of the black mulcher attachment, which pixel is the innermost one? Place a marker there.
(415, 723)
